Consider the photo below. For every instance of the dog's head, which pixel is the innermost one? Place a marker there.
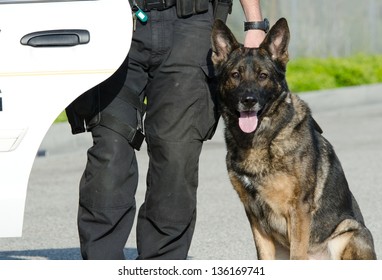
(250, 79)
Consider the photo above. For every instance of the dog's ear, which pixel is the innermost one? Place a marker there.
(276, 42)
(223, 42)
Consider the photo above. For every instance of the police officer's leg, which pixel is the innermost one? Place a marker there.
(179, 117)
(107, 188)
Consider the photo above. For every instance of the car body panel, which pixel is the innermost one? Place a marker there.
(37, 83)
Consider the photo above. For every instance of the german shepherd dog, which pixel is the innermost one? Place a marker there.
(285, 172)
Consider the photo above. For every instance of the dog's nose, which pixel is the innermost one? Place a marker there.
(249, 101)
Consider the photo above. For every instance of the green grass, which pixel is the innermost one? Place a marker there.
(61, 117)
(307, 74)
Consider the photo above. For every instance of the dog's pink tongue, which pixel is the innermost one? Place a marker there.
(248, 121)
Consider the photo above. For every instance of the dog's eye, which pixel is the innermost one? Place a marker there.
(263, 76)
(235, 75)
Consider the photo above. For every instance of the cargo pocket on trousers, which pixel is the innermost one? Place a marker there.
(209, 116)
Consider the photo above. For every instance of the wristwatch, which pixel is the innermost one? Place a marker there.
(262, 25)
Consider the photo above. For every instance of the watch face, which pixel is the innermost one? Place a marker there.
(266, 24)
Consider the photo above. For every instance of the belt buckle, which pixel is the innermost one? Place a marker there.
(158, 5)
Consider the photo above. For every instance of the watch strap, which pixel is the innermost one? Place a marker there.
(261, 25)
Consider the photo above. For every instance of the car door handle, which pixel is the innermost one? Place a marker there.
(56, 38)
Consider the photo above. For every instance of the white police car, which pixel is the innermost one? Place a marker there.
(51, 51)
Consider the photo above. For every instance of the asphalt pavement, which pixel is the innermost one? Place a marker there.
(350, 117)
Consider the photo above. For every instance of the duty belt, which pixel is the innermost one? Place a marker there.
(159, 5)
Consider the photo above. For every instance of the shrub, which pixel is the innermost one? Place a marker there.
(306, 74)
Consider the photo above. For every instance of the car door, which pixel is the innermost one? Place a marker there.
(51, 51)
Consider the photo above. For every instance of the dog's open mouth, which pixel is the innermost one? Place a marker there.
(248, 121)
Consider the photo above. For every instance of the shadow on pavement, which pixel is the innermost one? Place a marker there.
(54, 254)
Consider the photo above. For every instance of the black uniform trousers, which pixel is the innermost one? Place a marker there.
(169, 63)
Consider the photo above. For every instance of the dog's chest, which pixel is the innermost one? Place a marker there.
(269, 200)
